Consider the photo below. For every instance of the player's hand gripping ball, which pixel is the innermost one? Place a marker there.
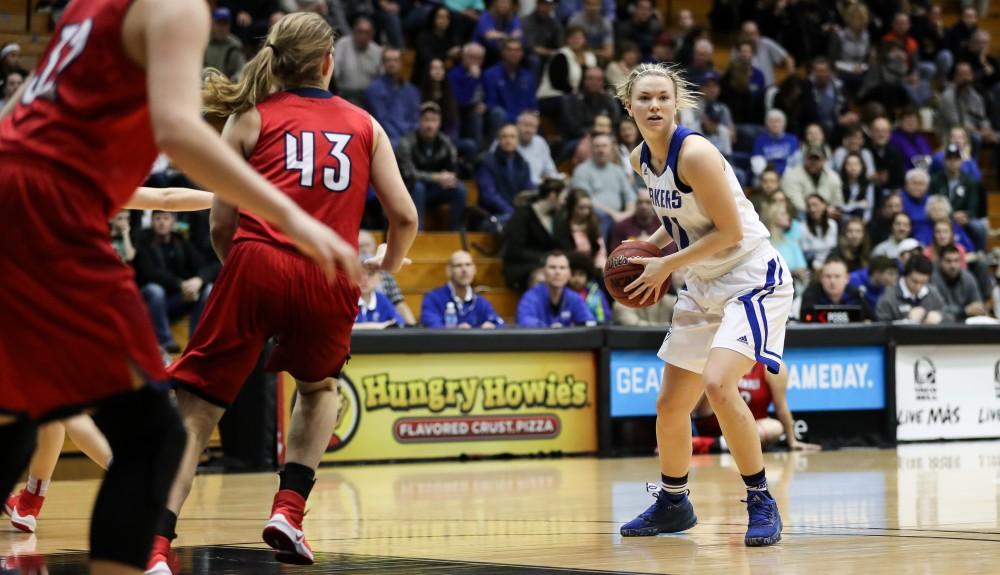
(619, 273)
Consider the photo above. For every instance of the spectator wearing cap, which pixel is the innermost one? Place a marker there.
(394, 102)
(224, 51)
(970, 166)
(813, 177)
(428, 162)
(775, 147)
(471, 310)
(357, 61)
(600, 34)
(913, 299)
(715, 130)
(962, 192)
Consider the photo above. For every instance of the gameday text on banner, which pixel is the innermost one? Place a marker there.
(947, 392)
(819, 379)
(411, 406)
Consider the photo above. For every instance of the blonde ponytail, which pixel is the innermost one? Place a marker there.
(292, 56)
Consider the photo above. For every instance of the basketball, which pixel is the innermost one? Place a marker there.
(619, 273)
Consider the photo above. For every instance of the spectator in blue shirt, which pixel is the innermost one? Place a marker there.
(466, 80)
(551, 303)
(394, 102)
(471, 310)
(510, 88)
(914, 198)
(496, 25)
(373, 306)
(881, 273)
(833, 288)
(775, 146)
(502, 174)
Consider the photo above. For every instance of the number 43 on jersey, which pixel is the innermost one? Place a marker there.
(300, 156)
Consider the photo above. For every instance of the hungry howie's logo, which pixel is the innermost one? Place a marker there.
(348, 415)
(465, 394)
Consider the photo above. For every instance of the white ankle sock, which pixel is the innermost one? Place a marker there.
(37, 486)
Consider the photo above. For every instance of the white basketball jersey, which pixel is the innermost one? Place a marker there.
(686, 220)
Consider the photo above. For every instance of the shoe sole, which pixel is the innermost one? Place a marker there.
(25, 523)
(653, 531)
(160, 568)
(764, 541)
(284, 545)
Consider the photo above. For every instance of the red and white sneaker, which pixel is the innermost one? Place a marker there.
(283, 532)
(162, 559)
(9, 503)
(24, 509)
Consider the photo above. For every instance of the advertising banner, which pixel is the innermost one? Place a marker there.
(947, 392)
(412, 406)
(819, 379)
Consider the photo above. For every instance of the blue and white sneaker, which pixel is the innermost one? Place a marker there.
(764, 526)
(663, 516)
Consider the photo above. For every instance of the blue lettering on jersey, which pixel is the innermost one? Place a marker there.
(667, 199)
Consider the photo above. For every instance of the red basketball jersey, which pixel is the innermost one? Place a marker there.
(755, 391)
(316, 148)
(85, 112)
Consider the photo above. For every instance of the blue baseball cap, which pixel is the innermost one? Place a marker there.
(222, 13)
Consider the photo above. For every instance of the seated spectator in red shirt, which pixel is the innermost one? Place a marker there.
(638, 226)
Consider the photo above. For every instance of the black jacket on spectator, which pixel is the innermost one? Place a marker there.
(542, 33)
(747, 107)
(419, 160)
(169, 264)
(891, 159)
(430, 46)
(795, 99)
(643, 34)
(526, 244)
(814, 296)
(579, 111)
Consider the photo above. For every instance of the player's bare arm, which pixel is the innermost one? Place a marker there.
(395, 200)
(778, 383)
(240, 133)
(177, 32)
(170, 199)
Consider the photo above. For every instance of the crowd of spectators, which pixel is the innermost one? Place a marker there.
(857, 128)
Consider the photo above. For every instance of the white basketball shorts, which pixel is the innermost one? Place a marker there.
(744, 309)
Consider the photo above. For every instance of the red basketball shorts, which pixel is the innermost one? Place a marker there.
(267, 291)
(73, 327)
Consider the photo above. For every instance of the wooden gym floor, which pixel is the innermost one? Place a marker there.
(923, 508)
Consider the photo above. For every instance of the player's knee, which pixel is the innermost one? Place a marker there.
(309, 388)
(715, 387)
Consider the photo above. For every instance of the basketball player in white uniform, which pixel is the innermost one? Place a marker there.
(732, 313)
